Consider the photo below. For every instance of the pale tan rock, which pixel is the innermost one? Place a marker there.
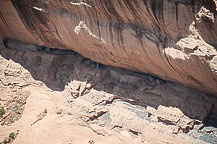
(143, 36)
(117, 106)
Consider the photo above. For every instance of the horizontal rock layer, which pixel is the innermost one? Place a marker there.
(66, 91)
(175, 40)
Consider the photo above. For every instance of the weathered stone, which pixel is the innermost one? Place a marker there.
(69, 90)
(175, 40)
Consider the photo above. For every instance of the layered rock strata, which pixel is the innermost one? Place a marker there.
(175, 40)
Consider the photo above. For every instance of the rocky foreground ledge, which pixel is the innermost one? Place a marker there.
(57, 83)
(52, 96)
(175, 40)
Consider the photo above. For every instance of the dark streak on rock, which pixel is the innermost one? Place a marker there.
(19, 46)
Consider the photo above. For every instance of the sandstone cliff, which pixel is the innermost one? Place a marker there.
(175, 40)
(55, 97)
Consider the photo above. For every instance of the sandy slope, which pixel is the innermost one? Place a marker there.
(54, 128)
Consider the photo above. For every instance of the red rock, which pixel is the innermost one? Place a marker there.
(175, 40)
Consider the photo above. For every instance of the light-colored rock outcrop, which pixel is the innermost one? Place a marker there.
(74, 100)
(175, 40)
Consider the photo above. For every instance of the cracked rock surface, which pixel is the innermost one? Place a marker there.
(171, 39)
(70, 99)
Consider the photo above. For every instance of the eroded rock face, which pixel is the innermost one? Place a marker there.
(175, 40)
(66, 91)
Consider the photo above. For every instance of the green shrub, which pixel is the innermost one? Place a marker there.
(12, 135)
(2, 111)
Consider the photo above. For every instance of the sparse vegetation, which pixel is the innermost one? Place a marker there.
(11, 110)
(12, 135)
(10, 138)
(2, 111)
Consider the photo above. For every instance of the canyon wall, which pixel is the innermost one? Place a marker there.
(175, 40)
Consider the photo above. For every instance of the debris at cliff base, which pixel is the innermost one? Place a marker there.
(11, 137)
(40, 117)
(12, 104)
(69, 96)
